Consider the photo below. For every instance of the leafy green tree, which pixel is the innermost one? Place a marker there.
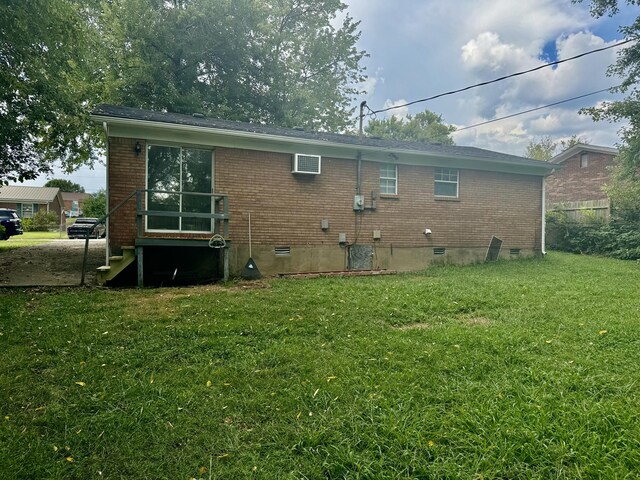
(624, 189)
(95, 205)
(572, 141)
(65, 185)
(541, 149)
(282, 62)
(46, 81)
(423, 127)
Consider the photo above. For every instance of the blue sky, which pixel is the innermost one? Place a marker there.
(420, 48)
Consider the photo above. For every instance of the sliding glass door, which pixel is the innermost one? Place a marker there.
(179, 169)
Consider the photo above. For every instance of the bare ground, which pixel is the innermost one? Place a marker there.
(55, 263)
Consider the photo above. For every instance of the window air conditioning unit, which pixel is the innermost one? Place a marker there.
(309, 164)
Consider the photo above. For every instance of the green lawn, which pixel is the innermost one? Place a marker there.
(29, 239)
(522, 369)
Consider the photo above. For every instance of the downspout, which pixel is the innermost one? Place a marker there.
(108, 249)
(544, 220)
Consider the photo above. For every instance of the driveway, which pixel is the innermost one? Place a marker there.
(55, 263)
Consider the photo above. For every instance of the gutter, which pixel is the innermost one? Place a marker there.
(544, 220)
(105, 127)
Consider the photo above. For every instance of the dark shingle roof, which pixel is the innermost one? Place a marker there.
(334, 138)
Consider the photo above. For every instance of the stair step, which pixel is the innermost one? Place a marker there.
(104, 268)
(128, 248)
(115, 258)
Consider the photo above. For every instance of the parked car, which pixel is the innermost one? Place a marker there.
(10, 220)
(82, 227)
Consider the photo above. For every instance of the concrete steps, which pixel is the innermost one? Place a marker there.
(117, 263)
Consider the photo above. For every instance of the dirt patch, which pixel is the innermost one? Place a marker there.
(414, 326)
(476, 321)
(55, 263)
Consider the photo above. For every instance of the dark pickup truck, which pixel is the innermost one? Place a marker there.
(82, 228)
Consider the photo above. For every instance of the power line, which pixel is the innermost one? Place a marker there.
(537, 108)
(540, 67)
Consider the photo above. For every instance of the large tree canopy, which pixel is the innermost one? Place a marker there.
(423, 127)
(46, 83)
(282, 62)
(65, 185)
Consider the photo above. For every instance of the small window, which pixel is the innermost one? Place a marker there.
(389, 179)
(584, 160)
(26, 210)
(446, 182)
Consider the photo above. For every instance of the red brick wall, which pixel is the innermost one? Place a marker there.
(287, 209)
(126, 173)
(574, 184)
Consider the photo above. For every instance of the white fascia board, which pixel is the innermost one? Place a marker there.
(172, 133)
(583, 147)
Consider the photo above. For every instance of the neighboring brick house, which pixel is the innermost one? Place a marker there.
(73, 202)
(29, 200)
(318, 202)
(577, 185)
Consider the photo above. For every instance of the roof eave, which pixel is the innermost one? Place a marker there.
(540, 168)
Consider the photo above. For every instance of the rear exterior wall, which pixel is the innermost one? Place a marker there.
(573, 183)
(287, 210)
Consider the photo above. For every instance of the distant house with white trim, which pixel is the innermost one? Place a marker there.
(577, 184)
(29, 200)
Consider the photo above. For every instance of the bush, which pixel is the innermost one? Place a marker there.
(41, 222)
(2, 231)
(617, 238)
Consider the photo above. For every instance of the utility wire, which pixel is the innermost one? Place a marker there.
(537, 108)
(540, 67)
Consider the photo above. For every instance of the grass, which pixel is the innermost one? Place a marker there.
(512, 370)
(29, 239)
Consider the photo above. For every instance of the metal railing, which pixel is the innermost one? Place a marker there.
(219, 217)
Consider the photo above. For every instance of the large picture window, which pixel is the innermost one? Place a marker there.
(389, 179)
(446, 182)
(179, 169)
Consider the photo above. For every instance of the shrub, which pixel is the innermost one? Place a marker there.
(2, 231)
(617, 238)
(40, 222)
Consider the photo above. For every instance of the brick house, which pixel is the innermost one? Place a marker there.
(317, 202)
(578, 185)
(29, 200)
(73, 202)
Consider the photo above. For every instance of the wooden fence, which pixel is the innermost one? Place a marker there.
(580, 210)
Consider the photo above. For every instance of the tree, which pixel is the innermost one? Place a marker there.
(625, 185)
(542, 149)
(282, 62)
(65, 185)
(572, 141)
(95, 205)
(423, 127)
(46, 82)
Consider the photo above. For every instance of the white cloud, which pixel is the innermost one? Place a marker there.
(427, 47)
(400, 112)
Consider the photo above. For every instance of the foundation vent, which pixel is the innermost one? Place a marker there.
(514, 251)
(282, 251)
(439, 251)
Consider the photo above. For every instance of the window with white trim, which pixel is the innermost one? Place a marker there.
(446, 182)
(389, 179)
(584, 160)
